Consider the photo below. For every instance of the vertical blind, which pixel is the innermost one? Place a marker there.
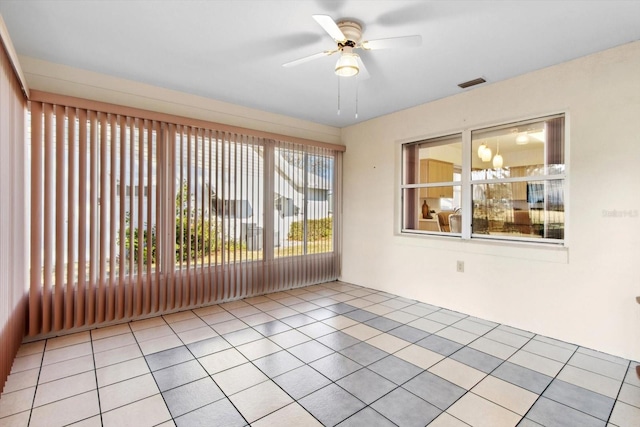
(133, 216)
(13, 225)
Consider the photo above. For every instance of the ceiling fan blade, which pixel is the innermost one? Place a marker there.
(330, 26)
(309, 58)
(363, 74)
(393, 42)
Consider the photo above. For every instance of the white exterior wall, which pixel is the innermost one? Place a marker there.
(584, 293)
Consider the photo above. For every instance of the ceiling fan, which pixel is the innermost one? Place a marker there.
(347, 33)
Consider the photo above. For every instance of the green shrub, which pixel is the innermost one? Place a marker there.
(317, 229)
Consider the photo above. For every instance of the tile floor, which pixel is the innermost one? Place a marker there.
(331, 354)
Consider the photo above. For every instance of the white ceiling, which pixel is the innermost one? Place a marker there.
(233, 51)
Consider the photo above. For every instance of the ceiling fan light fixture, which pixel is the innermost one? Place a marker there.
(347, 65)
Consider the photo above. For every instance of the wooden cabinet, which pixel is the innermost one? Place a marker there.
(432, 170)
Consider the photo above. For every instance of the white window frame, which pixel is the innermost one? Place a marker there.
(466, 185)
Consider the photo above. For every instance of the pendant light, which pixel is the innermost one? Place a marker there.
(481, 149)
(497, 160)
(486, 154)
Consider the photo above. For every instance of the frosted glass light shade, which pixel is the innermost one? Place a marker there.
(347, 65)
(481, 149)
(497, 161)
(486, 154)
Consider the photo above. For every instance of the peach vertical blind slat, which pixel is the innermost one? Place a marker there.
(134, 217)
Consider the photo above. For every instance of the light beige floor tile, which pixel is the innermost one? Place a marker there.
(244, 311)
(260, 400)
(143, 413)
(474, 327)
(603, 356)
(121, 371)
(67, 340)
(289, 338)
(153, 333)
(17, 420)
(25, 363)
(199, 334)
(206, 311)
(229, 326)
(479, 412)
(339, 322)
(66, 411)
(187, 325)
(218, 317)
(537, 363)
(17, 401)
(147, 323)
(89, 422)
(180, 316)
(316, 330)
(362, 331)
(36, 347)
(427, 325)
(548, 350)
(222, 360)
(457, 335)
(112, 342)
(65, 387)
(457, 373)
(304, 307)
(125, 392)
(630, 394)
(160, 344)
(388, 343)
(553, 341)
(377, 298)
(169, 423)
(342, 297)
(494, 348)
(292, 415)
(281, 313)
(360, 303)
(516, 331)
(117, 355)
(269, 305)
(259, 348)
(21, 380)
(447, 420)
(66, 353)
(110, 331)
(401, 316)
(501, 336)
(505, 394)
(239, 378)
(380, 309)
(419, 356)
(417, 310)
(624, 415)
(599, 366)
(67, 368)
(257, 319)
(589, 380)
(257, 300)
(234, 304)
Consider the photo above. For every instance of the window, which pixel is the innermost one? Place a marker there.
(515, 186)
(144, 216)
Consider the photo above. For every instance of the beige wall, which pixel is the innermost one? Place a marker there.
(584, 293)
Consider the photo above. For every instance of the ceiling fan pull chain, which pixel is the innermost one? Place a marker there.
(338, 95)
(357, 86)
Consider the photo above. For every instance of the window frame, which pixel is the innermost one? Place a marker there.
(466, 184)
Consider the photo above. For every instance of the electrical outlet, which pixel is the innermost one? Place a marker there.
(460, 266)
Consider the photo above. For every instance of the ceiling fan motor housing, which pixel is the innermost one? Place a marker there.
(351, 30)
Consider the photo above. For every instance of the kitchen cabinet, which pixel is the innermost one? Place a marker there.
(432, 170)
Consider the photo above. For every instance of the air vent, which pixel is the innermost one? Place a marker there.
(472, 83)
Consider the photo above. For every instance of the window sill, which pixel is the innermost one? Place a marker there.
(534, 251)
